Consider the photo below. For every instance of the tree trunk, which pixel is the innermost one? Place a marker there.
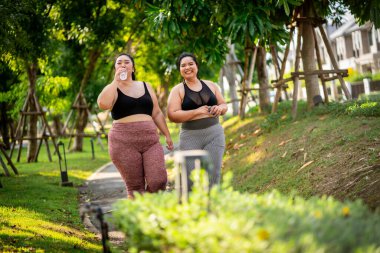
(230, 73)
(220, 82)
(308, 56)
(80, 126)
(83, 115)
(249, 67)
(334, 91)
(162, 94)
(244, 96)
(57, 125)
(231, 69)
(32, 130)
(4, 120)
(262, 75)
(165, 97)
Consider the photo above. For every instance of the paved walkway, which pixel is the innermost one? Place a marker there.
(103, 188)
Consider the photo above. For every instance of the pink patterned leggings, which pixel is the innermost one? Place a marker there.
(135, 150)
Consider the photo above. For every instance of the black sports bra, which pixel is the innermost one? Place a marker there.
(195, 99)
(127, 106)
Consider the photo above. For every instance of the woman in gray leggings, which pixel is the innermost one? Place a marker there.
(197, 104)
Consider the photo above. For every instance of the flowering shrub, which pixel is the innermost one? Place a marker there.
(225, 220)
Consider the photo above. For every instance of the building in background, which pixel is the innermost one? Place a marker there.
(355, 47)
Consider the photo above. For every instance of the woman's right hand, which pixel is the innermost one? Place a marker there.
(118, 72)
(169, 143)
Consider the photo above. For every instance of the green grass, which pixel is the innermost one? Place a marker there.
(266, 153)
(37, 214)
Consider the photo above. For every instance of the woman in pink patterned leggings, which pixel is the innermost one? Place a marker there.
(133, 141)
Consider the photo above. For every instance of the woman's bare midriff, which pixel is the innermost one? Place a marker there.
(134, 118)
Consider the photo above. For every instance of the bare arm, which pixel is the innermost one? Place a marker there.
(175, 112)
(108, 96)
(159, 119)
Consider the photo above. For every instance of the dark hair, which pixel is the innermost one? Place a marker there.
(185, 54)
(133, 63)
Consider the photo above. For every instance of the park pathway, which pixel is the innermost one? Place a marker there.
(103, 188)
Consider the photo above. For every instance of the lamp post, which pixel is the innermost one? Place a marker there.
(64, 176)
(90, 209)
(92, 148)
(185, 163)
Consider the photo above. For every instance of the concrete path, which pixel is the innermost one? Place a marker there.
(103, 188)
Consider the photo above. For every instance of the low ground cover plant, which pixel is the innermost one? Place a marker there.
(224, 220)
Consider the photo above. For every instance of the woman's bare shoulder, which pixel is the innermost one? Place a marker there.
(208, 82)
(177, 88)
(211, 85)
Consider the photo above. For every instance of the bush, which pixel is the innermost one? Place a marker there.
(376, 76)
(363, 108)
(355, 76)
(367, 109)
(373, 96)
(228, 221)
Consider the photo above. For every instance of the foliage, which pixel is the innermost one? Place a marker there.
(366, 10)
(355, 76)
(189, 25)
(52, 91)
(363, 108)
(205, 27)
(252, 21)
(368, 109)
(10, 76)
(228, 221)
(376, 76)
(13, 87)
(332, 10)
(373, 96)
(90, 23)
(89, 31)
(24, 29)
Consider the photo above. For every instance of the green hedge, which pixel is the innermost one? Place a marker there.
(228, 221)
(357, 108)
(366, 106)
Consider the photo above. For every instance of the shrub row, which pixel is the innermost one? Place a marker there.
(225, 220)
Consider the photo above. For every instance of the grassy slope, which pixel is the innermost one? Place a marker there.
(343, 155)
(37, 215)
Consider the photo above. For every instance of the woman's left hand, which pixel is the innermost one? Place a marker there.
(216, 110)
(169, 143)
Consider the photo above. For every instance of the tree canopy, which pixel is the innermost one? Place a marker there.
(73, 43)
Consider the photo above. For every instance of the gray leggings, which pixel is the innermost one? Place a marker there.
(211, 139)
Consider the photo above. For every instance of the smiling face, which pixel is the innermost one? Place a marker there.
(188, 67)
(123, 61)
